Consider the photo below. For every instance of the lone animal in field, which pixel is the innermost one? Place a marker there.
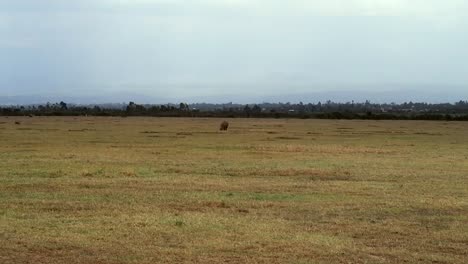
(17, 123)
(224, 126)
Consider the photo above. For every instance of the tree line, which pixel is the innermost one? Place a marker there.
(326, 110)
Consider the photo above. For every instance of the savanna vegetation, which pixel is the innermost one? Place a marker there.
(178, 190)
(328, 110)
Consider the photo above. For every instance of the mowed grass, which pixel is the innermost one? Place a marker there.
(155, 190)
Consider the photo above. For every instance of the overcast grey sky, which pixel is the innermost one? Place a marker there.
(182, 49)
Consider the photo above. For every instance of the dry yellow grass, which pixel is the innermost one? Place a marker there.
(155, 190)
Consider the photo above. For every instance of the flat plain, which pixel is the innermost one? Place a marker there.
(177, 190)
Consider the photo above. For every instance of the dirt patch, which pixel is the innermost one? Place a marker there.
(215, 205)
(288, 138)
(81, 130)
(309, 174)
(150, 132)
(184, 134)
(428, 134)
(326, 149)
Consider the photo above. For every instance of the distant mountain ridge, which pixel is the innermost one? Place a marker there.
(336, 96)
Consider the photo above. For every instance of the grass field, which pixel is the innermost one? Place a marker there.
(151, 190)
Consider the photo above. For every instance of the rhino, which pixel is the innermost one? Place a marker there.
(224, 126)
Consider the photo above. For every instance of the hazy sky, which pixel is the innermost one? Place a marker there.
(176, 48)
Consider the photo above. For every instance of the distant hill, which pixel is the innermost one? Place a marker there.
(399, 96)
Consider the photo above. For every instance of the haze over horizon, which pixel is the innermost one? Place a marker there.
(233, 50)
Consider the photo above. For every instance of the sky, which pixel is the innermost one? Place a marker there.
(232, 50)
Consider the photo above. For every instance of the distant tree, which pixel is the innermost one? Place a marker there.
(131, 107)
(63, 105)
(183, 107)
(256, 109)
(247, 110)
(140, 108)
(155, 109)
